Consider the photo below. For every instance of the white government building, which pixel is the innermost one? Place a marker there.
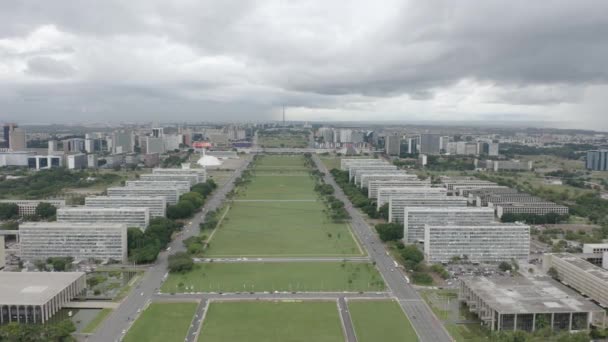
(201, 172)
(156, 204)
(28, 207)
(171, 194)
(352, 170)
(384, 194)
(373, 186)
(96, 240)
(132, 217)
(397, 205)
(190, 178)
(399, 175)
(347, 162)
(415, 218)
(491, 243)
(34, 297)
(183, 186)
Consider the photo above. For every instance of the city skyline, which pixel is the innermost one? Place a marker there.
(244, 61)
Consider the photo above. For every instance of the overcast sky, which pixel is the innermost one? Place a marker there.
(145, 60)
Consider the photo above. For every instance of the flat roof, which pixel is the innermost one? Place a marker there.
(520, 295)
(33, 288)
(583, 265)
(530, 205)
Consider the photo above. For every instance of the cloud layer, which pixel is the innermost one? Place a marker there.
(143, 60)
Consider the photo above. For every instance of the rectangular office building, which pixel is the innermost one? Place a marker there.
(384, 194)
(156, 204)
(479, 197)
(527, 304)
(132, 217)
(451, 183)
(463, 190)
(597, 160)
(353, 169)
(373, 186)
(536, 208)
(360, 172)
(191, 178)
(28, 207)
(81, 241)
(415, 218)
(581, 275)
(397, 175)
(347, 162)
(397, 205)
(34, 297)
(202, 173)
(182, 186)
(490, 243)
(171, 194)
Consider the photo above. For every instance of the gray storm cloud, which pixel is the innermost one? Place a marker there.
(240, 60)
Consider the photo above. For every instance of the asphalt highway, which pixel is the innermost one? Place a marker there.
(427, 326)
(117, 324)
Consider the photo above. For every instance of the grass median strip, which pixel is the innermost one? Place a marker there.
(266, 321)
(276, 276)
(162, 322)
(92, 326)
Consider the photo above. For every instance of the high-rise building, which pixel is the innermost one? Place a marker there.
(52, 146)
(192, 178)
(417, 217)
(17, 141)
(182, 186)
(153, 145)
(132, 217)
(6, 130)
(123, 142)
(74, 145)
(384, 194)
(397, 205)
(597, 160)
(443, 143)
(2, 253)
(171, 194)
(412, 145)
(392, 145)
(430, 143)
(487, 243)
(81, 241)
(156, 204)
(77, 161)
(327, 133)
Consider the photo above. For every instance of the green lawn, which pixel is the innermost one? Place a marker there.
(384, 319)
(280, 161)
(162, 322)
(283, 140)
(101, 316)
(276, 276)
(272, 322)
(255, 229)
(279, 187)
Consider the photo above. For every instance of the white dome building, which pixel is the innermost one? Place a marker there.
(207, 161)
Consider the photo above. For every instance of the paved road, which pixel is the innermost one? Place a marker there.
(193, 331)
(427, 326)
(283, 259)
(271, 296)
(347, 322)
(115, 326)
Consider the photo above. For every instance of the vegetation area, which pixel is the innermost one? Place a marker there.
(57, 264)
(551, 218)
(60, 332)
(449, 163)
(48, 183)
(567, 151)
(335, 207)
(192, 201)
(374, 320)
(180, 262)
(356, 195)
(144, 247)
(162, 322)
(276, 276)
(265, 321)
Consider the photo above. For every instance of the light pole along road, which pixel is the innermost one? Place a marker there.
(427, 326)
(116, 325)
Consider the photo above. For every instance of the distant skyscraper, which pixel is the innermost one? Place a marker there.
(430, 143)
(123, 142)
(6, 130)
(392, 145)
(597, 160)
(17, 141)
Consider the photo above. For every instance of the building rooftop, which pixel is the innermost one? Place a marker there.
(523, 295)
(584, 265)
(529, 205)
(33, 288)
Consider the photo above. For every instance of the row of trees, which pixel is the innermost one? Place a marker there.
(335, 207)
(356, 195)
(550, 218)
(192, 201)
(44, 211)
(144, 247)
(57, 332)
